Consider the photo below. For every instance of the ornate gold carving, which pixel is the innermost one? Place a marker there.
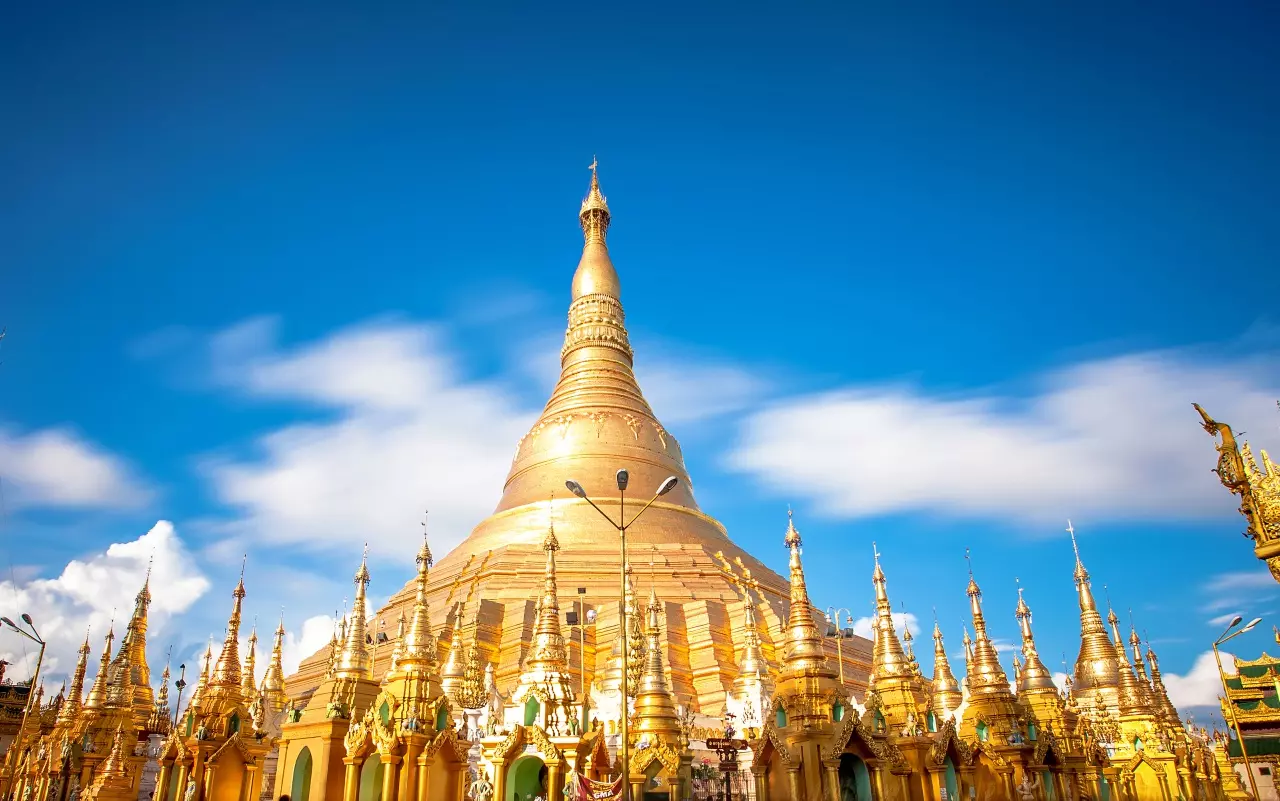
(633, 423)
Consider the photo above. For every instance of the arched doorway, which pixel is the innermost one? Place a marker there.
(371, 779)
(950, 780)
(526, 778)
(300, 788)
(855, 780)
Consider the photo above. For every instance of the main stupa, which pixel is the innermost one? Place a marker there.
(596, 422)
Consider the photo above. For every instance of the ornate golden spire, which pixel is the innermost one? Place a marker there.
(273, 679)
(804, 654)
(1035, 677)
(967, 641)
(129, 677)
(75, 696)
(418, 649)
(471, 694)
(160, 714)
(946, 689)
(1097, 674)
(1160, 696)
(226, 673)
(753, 669)
(1133, 701)
(98, 692)
(454, 669)
(250, 670)
(596, 416)
(546, 664)
(1135, 643)
(202, 683)
(548, 650)
(655, 711)
(889, 659)
(596, 274)
(354, 661)
(987, 677)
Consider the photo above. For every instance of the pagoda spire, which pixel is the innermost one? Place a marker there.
(889, 659)
(546, 664)
(248, 686)
(946, 689)
(72, 704)
(987, 676)
(548, 650)
(804, 654)
(596, 274)
(226, 672)
(129, 675)
(1135, 642)
(655, 711)
(353, 660)
(273, 679)
(1097, 676)
(1035, 676)
(160, 714)
(1133, 701)
(418, 648)
(1160, 695)
(202, 683)
(454, 669)
(753, 669)
(98, 692)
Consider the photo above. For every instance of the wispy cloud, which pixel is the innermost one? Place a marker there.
(57, 468)
(1112, 439)
(407, 433)
(1201, 685)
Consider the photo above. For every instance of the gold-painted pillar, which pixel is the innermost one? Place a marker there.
(831, 773)
(423, 778)
(499, 780)
(321, 770)
(409, 769)
(555, 784)
(762, 783)
(162, 781)
(793, 781)
(180, 791)
(390, 776)
(209, 772)
(247, 782)
(350, 780)
(283, 769)
(877, 783)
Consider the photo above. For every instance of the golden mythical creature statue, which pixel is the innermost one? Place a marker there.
(1258, 488)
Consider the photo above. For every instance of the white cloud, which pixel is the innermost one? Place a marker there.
(315, 634)
(1060, 680)
(1222, 620)
(1108, 439)
(1201, 685)
(55, 467)
(902, 621)
(90, 593)
(409, 433)
(684, 391)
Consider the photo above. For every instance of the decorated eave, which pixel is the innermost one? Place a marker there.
(1253, 692)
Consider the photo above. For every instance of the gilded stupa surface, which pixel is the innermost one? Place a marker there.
(597, 422)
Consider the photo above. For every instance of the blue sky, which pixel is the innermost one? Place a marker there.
(939, 280)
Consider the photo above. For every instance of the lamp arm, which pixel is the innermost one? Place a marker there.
(642, 511)
(602, 512)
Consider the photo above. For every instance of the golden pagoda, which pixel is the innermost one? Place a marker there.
(902, 694)
(1259, 489)
(596, 422)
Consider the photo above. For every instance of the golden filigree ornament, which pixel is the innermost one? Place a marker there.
(1259, 490)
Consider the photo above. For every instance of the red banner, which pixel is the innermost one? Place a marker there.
(588, 790)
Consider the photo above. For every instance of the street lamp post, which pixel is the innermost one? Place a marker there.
(11, 759)
(833, 620)
(622, 525)
(181, 684)
(1231, 708)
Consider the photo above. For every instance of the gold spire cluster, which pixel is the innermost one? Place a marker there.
(946, 689)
